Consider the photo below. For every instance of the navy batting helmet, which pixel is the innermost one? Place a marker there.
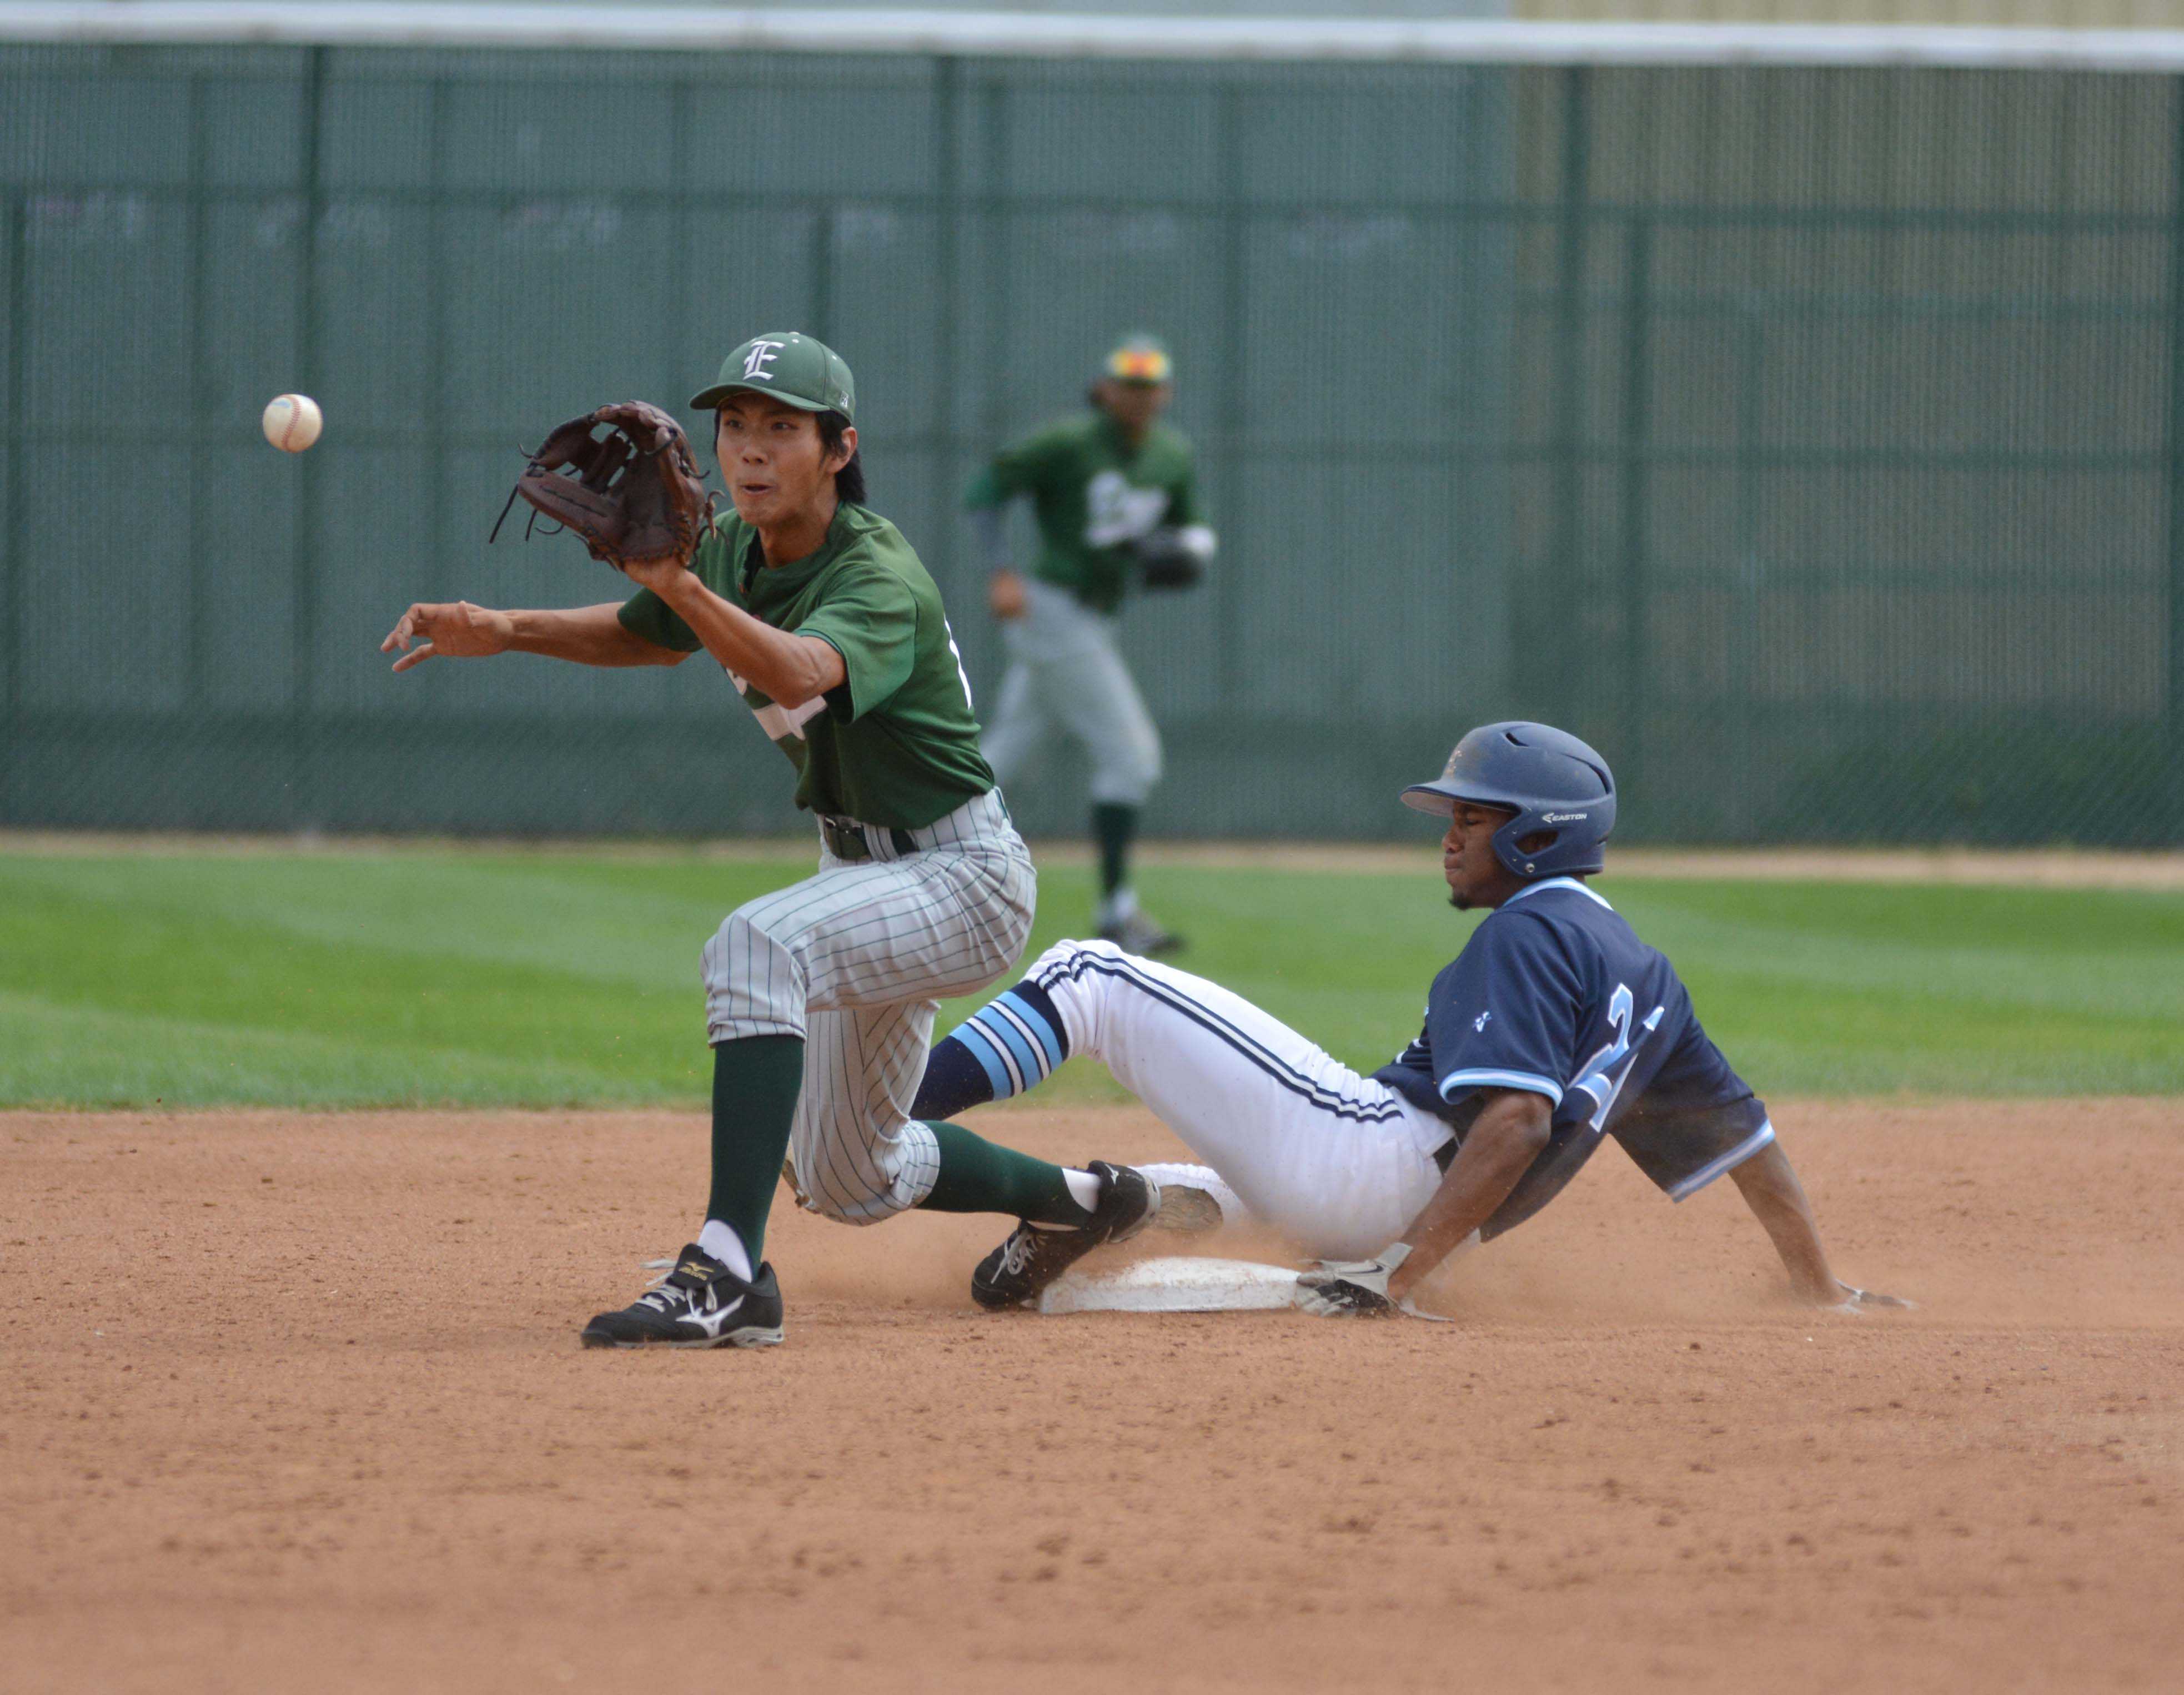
(1554, 783)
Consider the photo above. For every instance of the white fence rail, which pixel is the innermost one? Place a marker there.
(1013, 35)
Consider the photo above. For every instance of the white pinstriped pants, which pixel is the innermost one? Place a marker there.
(854, 959)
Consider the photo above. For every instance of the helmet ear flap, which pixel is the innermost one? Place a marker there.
(1518, 845)
(1515, 860)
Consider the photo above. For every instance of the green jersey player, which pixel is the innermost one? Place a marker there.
(821, 997)
(1109, 489)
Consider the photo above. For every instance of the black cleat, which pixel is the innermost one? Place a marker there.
(1142, 936)
(1035, 1254)
(699, 1303)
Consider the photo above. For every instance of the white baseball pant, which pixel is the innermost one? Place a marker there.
(1335, 1160)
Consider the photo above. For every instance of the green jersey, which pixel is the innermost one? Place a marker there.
(894, 744)
(1092, 494)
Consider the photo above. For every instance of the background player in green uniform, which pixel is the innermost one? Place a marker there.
(821, 997)
(1102, 486)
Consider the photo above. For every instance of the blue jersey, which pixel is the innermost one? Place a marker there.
(1555, 994)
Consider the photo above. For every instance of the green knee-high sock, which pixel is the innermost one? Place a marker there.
(755, 1082)
(1113, 827)
(981, 1176)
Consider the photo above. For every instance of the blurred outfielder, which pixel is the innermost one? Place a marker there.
(1112, 491)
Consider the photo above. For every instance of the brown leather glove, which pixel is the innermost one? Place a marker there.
(634, 492)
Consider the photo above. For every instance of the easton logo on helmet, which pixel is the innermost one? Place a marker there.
(1562, 818)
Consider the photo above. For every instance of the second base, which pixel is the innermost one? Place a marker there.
(1174, 1285)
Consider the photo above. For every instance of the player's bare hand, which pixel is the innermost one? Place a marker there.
(454, 630)
(1345, 1289)
(1850, 1300)
(660, 574)
(1005, 595)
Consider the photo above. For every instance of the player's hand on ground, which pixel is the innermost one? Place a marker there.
(454, 631)
(1850, 1300)
(1005, 595)
(1345, 1289)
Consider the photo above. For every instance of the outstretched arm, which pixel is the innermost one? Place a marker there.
(790, 669)
(1503, 1141)
(1500, 1146)
(456, 630)
(1769, 1185)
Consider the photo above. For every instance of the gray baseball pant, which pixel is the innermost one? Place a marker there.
(1066, 669)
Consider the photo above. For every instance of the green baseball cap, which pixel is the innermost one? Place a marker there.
(794, 369)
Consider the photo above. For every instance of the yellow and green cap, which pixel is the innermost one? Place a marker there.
(794, 369)
(1140, 359)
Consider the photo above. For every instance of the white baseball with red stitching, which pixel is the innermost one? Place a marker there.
(293, 422)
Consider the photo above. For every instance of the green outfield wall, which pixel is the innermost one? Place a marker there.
(1808, 439)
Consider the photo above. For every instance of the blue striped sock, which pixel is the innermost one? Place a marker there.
(1008, 1045)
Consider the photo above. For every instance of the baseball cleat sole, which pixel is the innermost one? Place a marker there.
(755, 1337)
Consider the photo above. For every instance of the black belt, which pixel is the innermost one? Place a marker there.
(846, 839)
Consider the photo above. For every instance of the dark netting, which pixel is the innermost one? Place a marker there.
(1807, 439)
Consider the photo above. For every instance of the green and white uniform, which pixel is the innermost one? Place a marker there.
(924, 889)
(1092, 494)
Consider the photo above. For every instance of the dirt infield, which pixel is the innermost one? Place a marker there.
(293, 1402)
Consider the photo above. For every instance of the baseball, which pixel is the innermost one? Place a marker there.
(292, 422)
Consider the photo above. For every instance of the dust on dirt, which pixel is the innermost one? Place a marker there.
(293, 1400)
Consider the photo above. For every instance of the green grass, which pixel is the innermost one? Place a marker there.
(430, 976)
